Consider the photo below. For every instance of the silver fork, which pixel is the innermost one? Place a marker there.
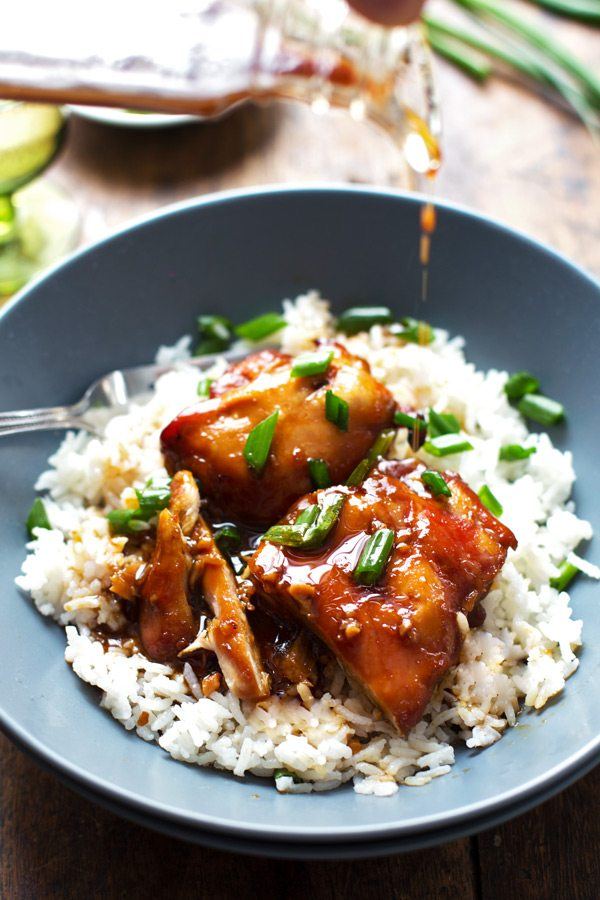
(110, 394)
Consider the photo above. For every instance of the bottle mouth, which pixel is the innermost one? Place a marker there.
(378, 74)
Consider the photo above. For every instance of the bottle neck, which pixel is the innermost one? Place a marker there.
(321, 53)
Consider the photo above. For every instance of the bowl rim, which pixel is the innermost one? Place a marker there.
(549, 783)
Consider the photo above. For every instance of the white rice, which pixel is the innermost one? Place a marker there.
(519, 658)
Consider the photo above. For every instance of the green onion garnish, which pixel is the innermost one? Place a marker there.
(204, 386)
(380, 447)
(319, 473)
(411, 422)
(566, 573)
(541, 409)
(311, 363)
(312, 525)
(228, 536)
(126, 521)
(309, 515)
(261, 327)
(447, 444)
(519, 384)
(215, 334)
(413, 331)
(442, 423)
(258, 442)
(151, 499)
(285, 773)
(512, 452)
(436, 483)
(362, 318)
(374, 557)
(490, 502)
(337, 410)
(38, 517)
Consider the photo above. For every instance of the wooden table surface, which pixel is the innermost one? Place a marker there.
(508, 155)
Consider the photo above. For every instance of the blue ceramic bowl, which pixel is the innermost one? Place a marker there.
(517, 303)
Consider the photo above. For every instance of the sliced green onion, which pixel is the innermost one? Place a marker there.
(380, 447)
(153, 497)
(204, 386)
(258, 442)
(446, 445)
(215, 334)
(362, 318)
(405, 421)
(566, 573)
(309, 515)
(38, 517)
(337, 410)
(374, 557)
(541, 409)
(519, 384)
(126, 521)
(311, 363)
(261, 327)
(312, 526)
(413, 331)
(490, 502)
(319, 473)
(285, 773)
(436, 483)
(442, 423)
(512, 452)
(228, 536)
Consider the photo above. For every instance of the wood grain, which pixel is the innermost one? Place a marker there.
(507, 154)
(55, 844)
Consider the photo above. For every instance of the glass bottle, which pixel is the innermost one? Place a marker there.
(205, 56)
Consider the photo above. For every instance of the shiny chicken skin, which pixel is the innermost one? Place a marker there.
(209, 438)
(395, 639)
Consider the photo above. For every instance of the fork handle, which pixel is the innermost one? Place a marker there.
(40, 419)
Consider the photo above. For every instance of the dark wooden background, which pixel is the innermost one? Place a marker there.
(507, 154)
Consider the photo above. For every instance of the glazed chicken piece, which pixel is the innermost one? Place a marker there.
(397, 638)
(185, 557)
(209, 438)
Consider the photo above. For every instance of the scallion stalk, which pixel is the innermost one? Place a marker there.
(215, 334)
(311, 363)
(374, 557)
(541, 409)
(436, 483)
(38, 517)
(204, 386)
(442, 423)
(258, 443)
(513, 452)
(362, 318)
(490, 501)
(519, 384)
(319, 473)
(337, 410)
(380, 447)
(447, 444)
(261, 327)
(566, 573)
